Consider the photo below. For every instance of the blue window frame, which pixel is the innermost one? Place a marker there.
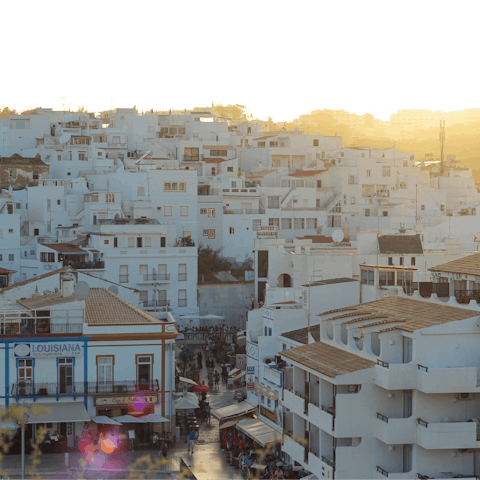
(284, 346)
(269, 402)
(266, 332)
(269, 332)
(262, 399)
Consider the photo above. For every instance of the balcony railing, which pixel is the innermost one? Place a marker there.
(467, 294)
(26, 389)
(38, 326)
(84, 265)
(156, 303)
(205, 335)
(155, 277)
(182, 277)
(382, 471)
(329, 410)
(383, 418)
(441, 289)
(382, 363)
(123, 279)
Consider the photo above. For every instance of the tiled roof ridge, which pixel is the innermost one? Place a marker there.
(352, 314)
(34, 279)
(109, 281)
(344, 309)
(366, 317)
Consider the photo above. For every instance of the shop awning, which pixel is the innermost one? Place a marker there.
(241, 374)
(187, 380)
(61, 412)
(232, 423)
(130, 419)
(154, 418)
(259, 431)
(186, 403)
(102, 419)
(234, 410)
(233, 372)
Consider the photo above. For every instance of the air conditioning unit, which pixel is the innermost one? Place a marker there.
(22, 384)
(22, 391)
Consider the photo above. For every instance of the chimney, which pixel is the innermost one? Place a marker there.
(67, 285)
(402, 228)
(453, 246)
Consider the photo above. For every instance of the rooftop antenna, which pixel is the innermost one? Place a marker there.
(63, 104)
(442, 141)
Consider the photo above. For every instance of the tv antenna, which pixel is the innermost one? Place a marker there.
(63, 104)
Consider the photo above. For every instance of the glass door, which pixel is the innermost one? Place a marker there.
(144, 372)
(65, 375)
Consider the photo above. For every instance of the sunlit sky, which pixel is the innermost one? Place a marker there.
(279, 58)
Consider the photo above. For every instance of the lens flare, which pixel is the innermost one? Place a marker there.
(109, 444)
(138, 404)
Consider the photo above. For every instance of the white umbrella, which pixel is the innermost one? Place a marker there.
(130, 419)
(185, 403)
(9, 426)
(154, 418)
(213, 317)
(105, 420)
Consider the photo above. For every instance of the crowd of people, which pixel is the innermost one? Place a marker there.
(162, 442)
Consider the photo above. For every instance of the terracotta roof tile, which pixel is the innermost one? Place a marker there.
(34, 279)
(307, 173)
(301, 335)
(469, 265)
(64, 247)
(400, 244)
(326, 359)
(103, 307)
(42, 301)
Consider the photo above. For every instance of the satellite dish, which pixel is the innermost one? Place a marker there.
(113, 289)
(82, 290)
(319, 229)
(337, 235)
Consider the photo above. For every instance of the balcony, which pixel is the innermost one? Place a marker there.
(153, 277)
(182, 277)
(117, 145)
(464, 296)
(395, 376)
(41, 389)
(394, 431)
(447, 380)
(38, 326)
(294, 402)
(84, 265)
(156, 304)
(447, 435)
(293, 449)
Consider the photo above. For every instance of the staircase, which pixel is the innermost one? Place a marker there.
(332, 202)
(286, 197)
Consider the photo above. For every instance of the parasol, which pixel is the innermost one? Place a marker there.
(200, 389)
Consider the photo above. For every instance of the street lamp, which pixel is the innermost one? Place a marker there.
(25, 416)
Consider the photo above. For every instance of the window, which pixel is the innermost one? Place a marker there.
(269, 402)
(234, 184)
(261, 144)
(139, 242)
(344, 199)
(205, 232)
(184, 211)
(35, 174)
(141, 191)
(203, 211)
(211, 212)
(232, 231)
(106, 242)
(262, 399)
(167, 211)
(286, 223)
(182, 298)
(131, 241)
(25, 370)
(115, 242)
(442, 208)
(167, 187)
(351, 179)
(274, 144)
(311, 223)
(256, 223)
(186, 234)
(105, 370)
(182, 272)
(385, 171)
(110, 197)
(249, 130)
(412, 261)
(13, 173)
(59, 157)
(274, 222)
(385, 213)
(319, 184)
(422, 207)
(143, 297)
(218, 153)
(65, 375)
(123, 274)
(367, 212)
(163, 242)
(298, 223)
(148, 241)
(229, 169)
(191, 155)
(390, 260)
(59, 202)
(10, 230)
(401, 261)
(144, 371)
(369, 173)
(211, 234)
(315, 143)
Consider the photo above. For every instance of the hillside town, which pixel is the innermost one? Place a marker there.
(310, 311)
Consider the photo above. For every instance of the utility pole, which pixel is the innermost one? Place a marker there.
(442, 141)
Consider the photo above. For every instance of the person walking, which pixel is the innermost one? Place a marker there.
(191, 440)
(199, 360)
(164, 449)
(216, 376)
(208, 409)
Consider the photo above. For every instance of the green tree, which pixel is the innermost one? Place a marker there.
(211, 261)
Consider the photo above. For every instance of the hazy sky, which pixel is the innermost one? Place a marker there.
(279, 58)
